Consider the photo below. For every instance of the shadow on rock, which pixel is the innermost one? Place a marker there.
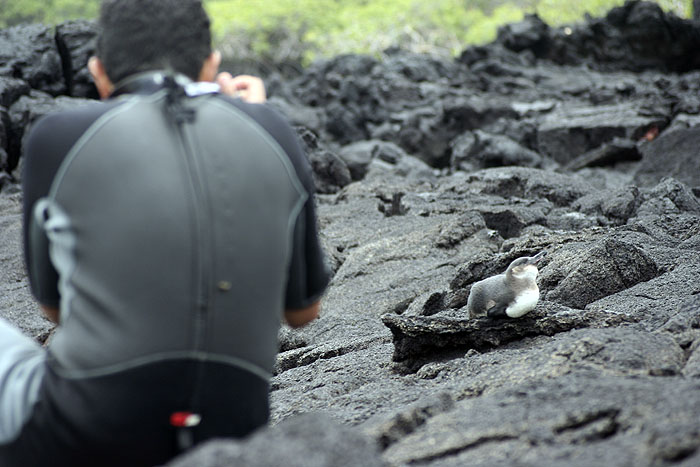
(310, 440)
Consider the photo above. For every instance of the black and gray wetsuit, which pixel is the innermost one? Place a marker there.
(172, 226)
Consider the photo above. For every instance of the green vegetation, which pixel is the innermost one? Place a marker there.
(558, 12)
(14, 12)
(328, 27)
(300, 30)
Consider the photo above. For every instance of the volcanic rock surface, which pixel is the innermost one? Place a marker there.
(433, 174)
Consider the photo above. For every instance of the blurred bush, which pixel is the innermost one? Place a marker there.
(13, 12)
(289, 30)
(294, 32)
(298, 31)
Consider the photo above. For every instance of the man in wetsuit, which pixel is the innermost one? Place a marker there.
(168, 230)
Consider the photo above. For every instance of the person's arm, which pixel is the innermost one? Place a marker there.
(299, 318)
(309, 275)
(41, 162)
(45, 146)
(51, 313)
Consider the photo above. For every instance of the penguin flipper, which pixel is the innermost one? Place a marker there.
(497, 311)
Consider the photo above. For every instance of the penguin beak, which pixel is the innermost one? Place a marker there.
(538, 257)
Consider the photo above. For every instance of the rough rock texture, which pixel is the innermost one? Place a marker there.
(27, 110)
(570, 131)
(591, 421)
(436, 173)
(673, 153)
(38, 63)
(29, 53)
(310, 440)
(637, 36)
(415, 336)
(12, 89)
(76, 43)
(479, 150)
(16, 303)
(4, 124)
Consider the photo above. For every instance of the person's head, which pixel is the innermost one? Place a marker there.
(148, 35)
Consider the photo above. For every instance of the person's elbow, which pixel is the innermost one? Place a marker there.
(51, 313)
(297, 318)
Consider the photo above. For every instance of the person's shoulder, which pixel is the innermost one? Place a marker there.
(276, 125)
(50, 138)
(272, 121)
(69, 119)
(264, 114)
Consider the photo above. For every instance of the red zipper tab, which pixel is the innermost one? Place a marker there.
(185, 419)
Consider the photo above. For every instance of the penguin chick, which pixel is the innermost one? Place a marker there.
(509, 295)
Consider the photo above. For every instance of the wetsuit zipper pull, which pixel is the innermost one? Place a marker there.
(184, 422)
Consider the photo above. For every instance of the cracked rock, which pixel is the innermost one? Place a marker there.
(76, 41)
(419, 338)
(29, 53)
(607, 267)
(509, 221)
(310, 440)
(479, 150)
(670, 155)
(11, 89)
(528, 183)
(570, 131)
(410, 419)
(610, 153)
(594, 420)
(329, 171)
(670, 197)
(616, 205)
(29, 109)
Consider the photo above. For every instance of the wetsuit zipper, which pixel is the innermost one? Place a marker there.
(202, 236)
(203, 250)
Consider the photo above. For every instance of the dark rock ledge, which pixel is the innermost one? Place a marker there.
(415, 337)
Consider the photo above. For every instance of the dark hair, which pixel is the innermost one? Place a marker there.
(148, 35)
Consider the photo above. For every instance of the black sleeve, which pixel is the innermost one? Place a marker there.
(47, 144)
(309, 274)
(40, 166)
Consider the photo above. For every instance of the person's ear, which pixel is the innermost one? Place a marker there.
(102, 82)
(210, 68)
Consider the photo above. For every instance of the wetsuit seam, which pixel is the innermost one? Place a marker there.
(280, 153)
(83, 140)
(282, 156)
(161, 357)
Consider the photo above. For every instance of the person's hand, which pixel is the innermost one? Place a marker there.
(249, 88)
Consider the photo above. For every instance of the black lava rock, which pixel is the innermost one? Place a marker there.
(311, 440)
(76, 42)
(29, 109)
(673, 154)
(29, 53)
